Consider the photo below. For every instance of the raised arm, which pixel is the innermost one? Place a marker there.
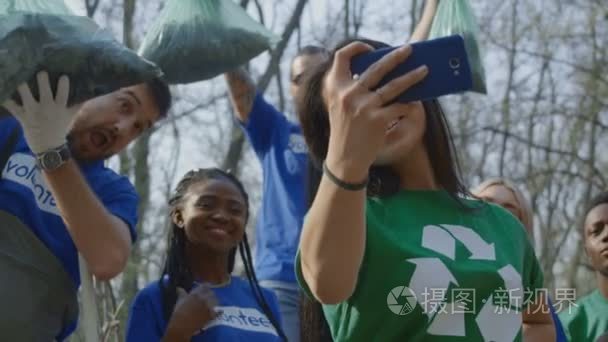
(421, 32)
(102, 238)
(333, 238)
(242, 92)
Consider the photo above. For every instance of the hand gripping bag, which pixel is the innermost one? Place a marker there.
(457, 17)
(40, 35)
(195, 40)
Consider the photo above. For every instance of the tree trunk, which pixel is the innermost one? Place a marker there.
(91, 6)
(134, 163)
(506, 105)
(346, 18)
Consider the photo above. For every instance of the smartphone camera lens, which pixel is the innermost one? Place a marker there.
(454, 63)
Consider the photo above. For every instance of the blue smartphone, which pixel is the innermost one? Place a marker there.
(447, 62)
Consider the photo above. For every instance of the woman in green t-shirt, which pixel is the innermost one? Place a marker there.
(390, 246)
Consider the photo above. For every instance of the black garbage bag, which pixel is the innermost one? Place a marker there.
(40, 35)
(195, 40)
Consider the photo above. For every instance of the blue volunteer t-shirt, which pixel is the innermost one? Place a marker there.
(25, 194)
(281, 149)
(241, 318)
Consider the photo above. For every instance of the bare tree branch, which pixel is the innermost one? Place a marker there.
(91, 6)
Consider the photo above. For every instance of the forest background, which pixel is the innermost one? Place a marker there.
(543, 123)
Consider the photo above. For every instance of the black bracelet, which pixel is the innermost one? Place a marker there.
(342, 184)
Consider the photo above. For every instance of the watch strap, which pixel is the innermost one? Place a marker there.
(63, 152)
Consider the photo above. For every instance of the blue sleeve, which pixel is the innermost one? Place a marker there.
(262, 123)
(273, 304)
(122, 202)
(7, 124)
(143, 324)
(560, 334)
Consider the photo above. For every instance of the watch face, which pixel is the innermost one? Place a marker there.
(51, 160)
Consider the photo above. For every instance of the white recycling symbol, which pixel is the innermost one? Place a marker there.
(431, 273)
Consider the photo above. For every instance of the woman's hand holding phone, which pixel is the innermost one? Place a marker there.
(359, 117)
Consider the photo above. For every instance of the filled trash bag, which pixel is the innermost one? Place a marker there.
(457, 17)
(35, 6)
(195, 40)
(4, 112)
(40, 35)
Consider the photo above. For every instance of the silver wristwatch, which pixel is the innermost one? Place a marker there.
(53, 159)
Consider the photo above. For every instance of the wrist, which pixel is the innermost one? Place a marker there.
(52, 159)
(39, 147)
(345, 185)
(349, 171)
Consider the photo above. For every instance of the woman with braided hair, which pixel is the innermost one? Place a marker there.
(197, 298)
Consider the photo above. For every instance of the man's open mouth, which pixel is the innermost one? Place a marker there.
(101, 139)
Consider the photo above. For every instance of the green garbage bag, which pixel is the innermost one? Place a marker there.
(457, 17)
(195, 40)
(36, 6)
(40, 35)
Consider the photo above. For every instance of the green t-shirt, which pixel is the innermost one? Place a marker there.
(433, 271)
(587, 320)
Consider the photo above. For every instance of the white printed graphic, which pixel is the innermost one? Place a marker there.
(21, 168)
(296, 146)
(401, 307)
(448, 322)
(495, 322)
(480, 250)
(291, 162)
(297, 143)
(439, 240)
(496, 326)
(430, 273)
(513, 283)
(242, 318)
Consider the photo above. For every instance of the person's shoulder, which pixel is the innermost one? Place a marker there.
(7, 124)
(102, 170)
(239, 283)
(152, 290)
(499, 216)
(573, 312)
(105, 179)
(592, 297)
(7, 121)
(244, 286)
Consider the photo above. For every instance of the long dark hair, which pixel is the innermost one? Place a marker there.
(383, 181)
(177, 273)
(438, 141)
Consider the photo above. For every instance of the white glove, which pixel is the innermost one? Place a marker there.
(46, 122)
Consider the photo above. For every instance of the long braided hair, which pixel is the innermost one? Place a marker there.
(177, 273)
